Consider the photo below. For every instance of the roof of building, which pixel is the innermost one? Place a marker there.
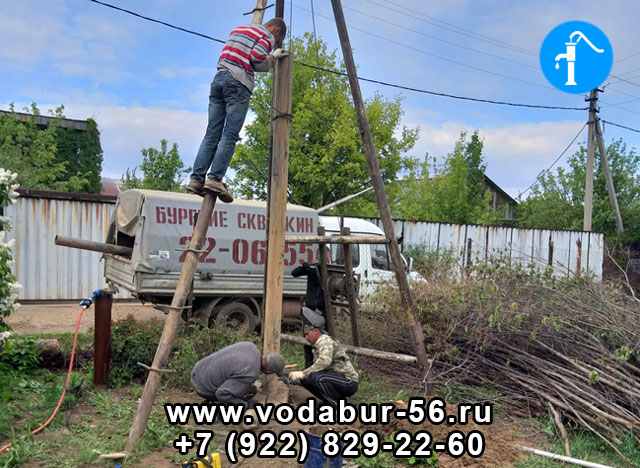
(44, 120)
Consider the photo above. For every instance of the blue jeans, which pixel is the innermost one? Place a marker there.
(228, 105)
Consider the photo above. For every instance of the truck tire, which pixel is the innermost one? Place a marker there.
(236, 315)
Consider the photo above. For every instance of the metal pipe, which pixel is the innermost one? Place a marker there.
(93, 246)
(562, 458)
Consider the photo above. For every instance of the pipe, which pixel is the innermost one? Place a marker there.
(92, 245)
(386, 355)
(561, 458)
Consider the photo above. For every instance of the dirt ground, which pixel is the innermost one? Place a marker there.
(61, 317)
(501, 436)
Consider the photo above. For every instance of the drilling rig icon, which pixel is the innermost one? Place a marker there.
(570, 56)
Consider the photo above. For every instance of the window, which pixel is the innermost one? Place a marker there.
(338, 258)
(380, 257)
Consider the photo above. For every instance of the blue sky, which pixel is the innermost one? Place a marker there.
(142, 81)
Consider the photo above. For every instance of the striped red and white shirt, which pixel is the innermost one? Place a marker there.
(247, 50)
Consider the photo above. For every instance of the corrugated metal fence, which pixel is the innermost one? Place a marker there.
(569, 252)
(50, 272)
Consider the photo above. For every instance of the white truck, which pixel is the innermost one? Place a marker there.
(229, 280)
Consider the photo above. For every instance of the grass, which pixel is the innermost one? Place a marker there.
(587, 446)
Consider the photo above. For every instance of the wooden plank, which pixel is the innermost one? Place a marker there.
(351, 289)
(330, 311)
(336, 240)
(172, 322)
(277, 204)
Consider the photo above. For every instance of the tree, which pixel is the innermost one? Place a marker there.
(161, 170)
(52, 158)
(557, 200)
(326, 158)
(453, 192)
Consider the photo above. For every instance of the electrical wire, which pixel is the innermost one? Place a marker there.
(620, 126)
(488, 101)
(519, 197)
(453, 96)
(188, 31)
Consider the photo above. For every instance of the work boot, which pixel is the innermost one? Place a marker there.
(253, 390)
(195, 186)
(219, 189)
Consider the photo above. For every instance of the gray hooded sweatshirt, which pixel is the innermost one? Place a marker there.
(228, 374)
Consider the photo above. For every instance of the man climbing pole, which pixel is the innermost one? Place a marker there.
(245, 52)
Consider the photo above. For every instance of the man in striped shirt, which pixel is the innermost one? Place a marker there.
(245, 52)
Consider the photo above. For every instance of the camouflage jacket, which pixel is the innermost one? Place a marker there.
(328, 355)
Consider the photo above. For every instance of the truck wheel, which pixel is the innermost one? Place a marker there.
(238, 316)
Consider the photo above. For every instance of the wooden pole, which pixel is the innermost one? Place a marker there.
(415, 329)
(336, 239)
(172, 322)
(258, 13)
(282, 78)
(330, 312)
(607, 176)
(588, 184)
(351, 289)
(102, 339)
(93, 246)
(386, 355)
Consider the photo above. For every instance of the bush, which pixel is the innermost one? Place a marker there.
(132, 342)
(18, 354)
(8, 286)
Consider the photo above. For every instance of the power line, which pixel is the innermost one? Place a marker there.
(519, 197)
(453, 96)
(457, 30)
(415, 49)
(620, 126)
(488, 101)
(469, 49)
(188, 31)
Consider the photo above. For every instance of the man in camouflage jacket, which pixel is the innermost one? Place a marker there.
(331, 376)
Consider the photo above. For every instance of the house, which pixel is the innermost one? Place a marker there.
(501, 198)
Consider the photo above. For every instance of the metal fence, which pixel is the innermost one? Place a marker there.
(50, 272)
(568, 252)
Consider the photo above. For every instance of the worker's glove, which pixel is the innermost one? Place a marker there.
(296, 375)
(279, 53)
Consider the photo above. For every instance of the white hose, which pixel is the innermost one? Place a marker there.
(554, 456)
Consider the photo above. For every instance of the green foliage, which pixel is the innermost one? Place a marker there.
(53, 158)
(326, 158)
(19, 354)
(8, 286)
(453, 192)
(194, 343)
(557, 199)
(132, 342)
(161, 170)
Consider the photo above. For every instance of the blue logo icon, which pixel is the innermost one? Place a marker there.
(576, 57)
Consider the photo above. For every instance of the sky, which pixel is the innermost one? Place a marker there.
(143, 81)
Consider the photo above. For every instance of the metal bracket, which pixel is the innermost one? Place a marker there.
(257, 9)
(180, 249)
(167, 308)
(149, 368)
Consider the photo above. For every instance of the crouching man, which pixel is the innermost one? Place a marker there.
(227, 376)
(332, 375)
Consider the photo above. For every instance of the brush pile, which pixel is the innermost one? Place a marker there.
(567, 347)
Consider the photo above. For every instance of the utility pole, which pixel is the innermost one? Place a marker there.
(415, 329)
(258, 12)
(607, 176)
(588, 184)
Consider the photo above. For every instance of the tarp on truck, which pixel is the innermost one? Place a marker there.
(162, 222)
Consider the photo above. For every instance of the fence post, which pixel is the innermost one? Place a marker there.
(102, 339)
